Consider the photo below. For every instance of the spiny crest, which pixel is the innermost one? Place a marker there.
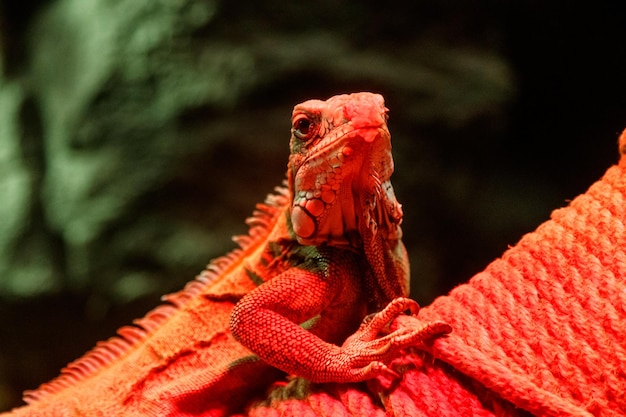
(106, 352)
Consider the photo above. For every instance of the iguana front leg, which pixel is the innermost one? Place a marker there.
(322, 295)
(268, 322)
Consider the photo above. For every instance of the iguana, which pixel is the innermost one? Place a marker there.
(310, 292)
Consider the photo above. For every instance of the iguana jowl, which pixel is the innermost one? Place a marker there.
(322, 258)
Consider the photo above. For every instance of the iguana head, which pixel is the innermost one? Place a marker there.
(339, 171)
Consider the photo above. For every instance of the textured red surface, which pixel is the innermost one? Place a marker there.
(545, 326)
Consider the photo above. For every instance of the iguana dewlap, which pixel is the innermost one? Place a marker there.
(304, 293)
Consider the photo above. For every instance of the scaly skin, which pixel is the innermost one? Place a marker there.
(320, 256)
(345, 219)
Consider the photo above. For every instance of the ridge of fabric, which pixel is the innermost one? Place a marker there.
(544, 326)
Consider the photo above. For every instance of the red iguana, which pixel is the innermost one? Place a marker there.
(311, 291)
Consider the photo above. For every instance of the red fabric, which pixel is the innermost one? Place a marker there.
(544, 327)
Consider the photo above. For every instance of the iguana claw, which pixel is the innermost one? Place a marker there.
(368, 353)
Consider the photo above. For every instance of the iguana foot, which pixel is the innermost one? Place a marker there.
(368, 354)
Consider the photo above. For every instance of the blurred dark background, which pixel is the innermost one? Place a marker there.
(136, 135)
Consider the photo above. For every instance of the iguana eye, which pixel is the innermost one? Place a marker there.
(303, 127)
